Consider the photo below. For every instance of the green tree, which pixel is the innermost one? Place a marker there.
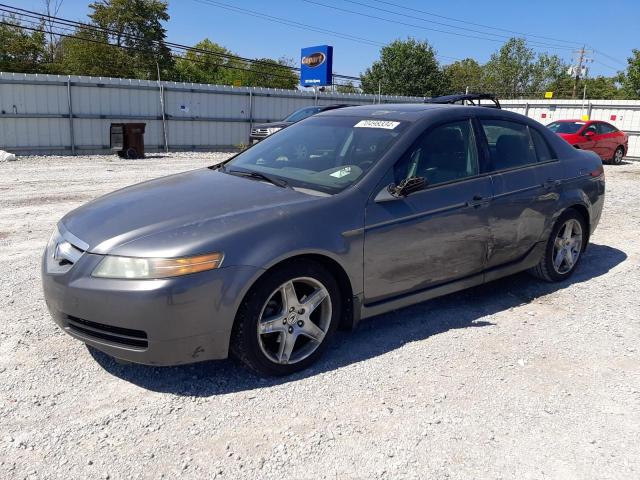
(508, 72)
(270, 73)
(546, 72)
(406, 67)
(630, 79)
(463, 74)
(89, 54)
(20, 50)
(600, 87)
(348, 87)
(516, 71)
(208, 63)
(134, 25)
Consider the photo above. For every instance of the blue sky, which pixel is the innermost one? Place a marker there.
(611, 28)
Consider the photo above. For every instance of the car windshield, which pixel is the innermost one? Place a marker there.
(565, 127)
(302, 114)
(326, 154)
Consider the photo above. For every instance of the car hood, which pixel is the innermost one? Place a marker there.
(272, 125)
(181, 212)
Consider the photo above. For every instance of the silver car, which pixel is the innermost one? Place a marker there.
(345, 215)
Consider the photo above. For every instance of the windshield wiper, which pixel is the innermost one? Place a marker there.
(257, 175)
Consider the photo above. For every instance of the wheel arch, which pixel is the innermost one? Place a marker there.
(347, 320)
(584, 213)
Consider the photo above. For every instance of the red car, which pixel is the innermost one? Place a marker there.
(600, 137)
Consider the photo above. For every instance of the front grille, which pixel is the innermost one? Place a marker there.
(122, 336)
(259, 132)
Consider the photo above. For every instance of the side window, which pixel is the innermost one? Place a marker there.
(510, 144)
(443, 154)
(591, 128)
(543, 152)
(604, 128)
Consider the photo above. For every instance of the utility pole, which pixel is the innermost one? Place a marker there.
(578, 69)
(164, 121)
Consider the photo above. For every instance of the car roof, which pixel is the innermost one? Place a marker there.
(412, 112)
(396, 111)
(337, 105)
(574, 120)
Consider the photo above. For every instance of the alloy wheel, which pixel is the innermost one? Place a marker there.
(567, 246)
(294, 320)
(618, 156)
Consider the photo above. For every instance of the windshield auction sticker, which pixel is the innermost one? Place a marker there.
(376, 124)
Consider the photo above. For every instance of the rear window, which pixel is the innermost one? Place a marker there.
(565, 127)
(542, 148)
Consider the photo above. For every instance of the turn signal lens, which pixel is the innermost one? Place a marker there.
(149, 268)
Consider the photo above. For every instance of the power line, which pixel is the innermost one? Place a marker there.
(502, 37)
(303, 26)
(521, 34)
(610, 58)
(95, 28)
(81, 25)
(173, 55)
(291, 23)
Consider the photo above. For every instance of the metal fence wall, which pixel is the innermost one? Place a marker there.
(624, 114)
(54, 114)
(51, 113)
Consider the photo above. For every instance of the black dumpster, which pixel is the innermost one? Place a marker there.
(127, 139)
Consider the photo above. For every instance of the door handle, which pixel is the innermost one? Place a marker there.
(550, 183)
(478, 201)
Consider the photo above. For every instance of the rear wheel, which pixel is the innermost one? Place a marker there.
(564, 248)
(618, 156)
(287, 319)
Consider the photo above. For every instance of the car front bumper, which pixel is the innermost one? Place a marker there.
(155, 322)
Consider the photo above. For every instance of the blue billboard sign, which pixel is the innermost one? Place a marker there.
(316, 66)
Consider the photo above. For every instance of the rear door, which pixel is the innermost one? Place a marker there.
(525, 187)
(608, 140)
(434, 235)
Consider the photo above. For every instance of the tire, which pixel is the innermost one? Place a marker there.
(549, 269)
(274, 336)
(618, 156)
(131, 153)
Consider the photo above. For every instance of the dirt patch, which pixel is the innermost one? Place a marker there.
(48, 199)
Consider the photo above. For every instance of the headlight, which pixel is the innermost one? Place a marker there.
(273, 130)
(148, 268)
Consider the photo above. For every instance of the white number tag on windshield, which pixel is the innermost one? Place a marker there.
(386, 124)
(341, 173)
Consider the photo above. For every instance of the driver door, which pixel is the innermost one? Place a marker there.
(435, 235)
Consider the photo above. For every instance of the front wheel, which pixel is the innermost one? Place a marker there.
(564, 248)
(287, 319)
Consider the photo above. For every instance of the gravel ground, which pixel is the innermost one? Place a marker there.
(515, 379)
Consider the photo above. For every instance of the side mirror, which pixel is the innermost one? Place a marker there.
(589, 133)
(404, 188)
(409, 185)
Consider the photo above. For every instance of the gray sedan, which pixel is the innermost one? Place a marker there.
(346, 215)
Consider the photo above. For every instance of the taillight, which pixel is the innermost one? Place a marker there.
(598, 171)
